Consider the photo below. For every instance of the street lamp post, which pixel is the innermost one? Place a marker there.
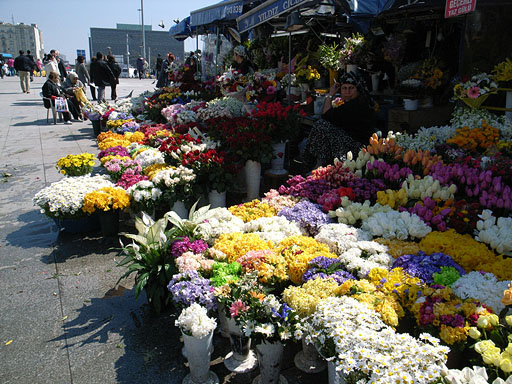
(143, 32)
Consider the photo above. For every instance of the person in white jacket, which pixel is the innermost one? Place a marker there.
(50, 65)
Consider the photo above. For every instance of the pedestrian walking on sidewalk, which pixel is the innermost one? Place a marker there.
(102, 75)
(24, 66)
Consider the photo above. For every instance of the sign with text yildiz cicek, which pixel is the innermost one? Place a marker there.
(458, 7)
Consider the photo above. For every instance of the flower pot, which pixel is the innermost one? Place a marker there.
(319, 105)
(180, 209)
(103, 125)
(335, 377)
(198, 356)
(410, 104)
(252, 179)
(217, 199)
(96, 127)
(109, 222)
(241, 359)
(79, 225)
(308, 360)
(269, 360)
(375, 81)
(277, 163)
(332, 76)
(352, 68)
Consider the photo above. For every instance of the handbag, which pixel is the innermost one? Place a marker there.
(61, 104)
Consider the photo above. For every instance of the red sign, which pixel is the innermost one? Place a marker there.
(458, 7)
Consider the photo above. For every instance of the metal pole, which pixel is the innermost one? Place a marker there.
(216, 56)
(127, 54)
(143, 32)
(289, 66)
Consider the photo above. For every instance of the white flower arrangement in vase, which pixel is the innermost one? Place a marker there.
(497, 233)
(149, 157)
(396, 225)
(221, 221)
(194, 321)
(274, 228)
(65, 197)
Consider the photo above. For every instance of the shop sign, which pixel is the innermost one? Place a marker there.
(458, 7)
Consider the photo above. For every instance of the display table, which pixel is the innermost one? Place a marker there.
(400, 120)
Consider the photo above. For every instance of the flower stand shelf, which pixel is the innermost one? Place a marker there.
(400, 120)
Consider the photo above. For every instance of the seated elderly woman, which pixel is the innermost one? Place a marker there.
(347, 123)
(51, 90)
(75, 91)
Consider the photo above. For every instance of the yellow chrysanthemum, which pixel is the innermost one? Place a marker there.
(237, 244)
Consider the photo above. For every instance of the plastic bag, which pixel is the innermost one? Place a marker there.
(61, 104)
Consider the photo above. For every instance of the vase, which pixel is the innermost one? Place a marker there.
(180, 209)
(241, 359)
(508, 104)
(277, 163)
(217, 199)
(375, 81)
(333, 75)
(252, 179)
(269, 360)
(308, 360)
(79, 225)
(352, 68)
(198, 356)
(103, 125)
(335, 377)
(319, 105)
(223, 321)
(109, 222)
(96, 127)
(426, 102)
(304, 89)
(410, 104)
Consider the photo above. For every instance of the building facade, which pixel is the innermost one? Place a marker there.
(126, 41)
(17, 37)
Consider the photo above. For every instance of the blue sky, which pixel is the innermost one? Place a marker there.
(66, 24)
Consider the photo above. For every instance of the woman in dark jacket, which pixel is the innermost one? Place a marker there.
(116, 71)
(345, 126)
(102, 75)
(51, 90)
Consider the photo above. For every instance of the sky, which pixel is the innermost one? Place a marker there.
(66, 24)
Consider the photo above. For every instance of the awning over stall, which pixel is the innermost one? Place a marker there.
(267, 11)
(182, 30)
(225, 10)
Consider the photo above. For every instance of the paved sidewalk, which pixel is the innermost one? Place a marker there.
(62, 317)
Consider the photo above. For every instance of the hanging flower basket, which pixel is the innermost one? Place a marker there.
(475, 103)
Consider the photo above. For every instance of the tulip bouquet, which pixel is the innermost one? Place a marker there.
(76, 165)
(354, 213)
(496, 233)
(393, 224)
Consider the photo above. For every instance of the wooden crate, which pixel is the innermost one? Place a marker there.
(400, 120)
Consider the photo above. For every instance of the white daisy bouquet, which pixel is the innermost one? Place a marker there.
(497, 233)
(366, 350)
(144, 196)
(396, 225)
(65, 198)
(273, 229)
(177, 184)
(221, 221)
(194, 321)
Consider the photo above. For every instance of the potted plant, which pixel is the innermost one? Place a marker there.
(149, 257)
(76, 165)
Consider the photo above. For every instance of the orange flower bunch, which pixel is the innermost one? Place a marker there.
(424, 159)
(379, 146)
(109, 135)
(476, 139)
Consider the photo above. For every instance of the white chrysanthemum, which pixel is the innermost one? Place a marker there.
(149, 157)
(274, 228)
(221, 221)
(341, 237)
(194, 321)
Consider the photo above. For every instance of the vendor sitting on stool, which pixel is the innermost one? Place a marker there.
(51, 90)
(71, 87)
(346, 125)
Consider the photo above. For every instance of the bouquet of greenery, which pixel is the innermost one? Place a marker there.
(355, 50)
(76, 165)
(329, 56)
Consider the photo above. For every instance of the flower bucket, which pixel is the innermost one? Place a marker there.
(241, 359)
(96, 127)
(217, 199)
(335, 377)
(352, 68)
(277, 163)
(109, 222)
(198, 356)
(79, 225)
(319, 105)
(269, 360)
(252, 179)
(308, 360)
(180, 209)
(410, 104)
(304, 89)
(332, 76)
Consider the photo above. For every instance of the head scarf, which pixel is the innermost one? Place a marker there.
(354, 79)
(72, 75)
(240, 51)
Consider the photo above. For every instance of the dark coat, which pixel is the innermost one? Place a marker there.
(23, 63)
(51, 89)
(116, 70)
(355, 117)
(101, 73)
(62, 70)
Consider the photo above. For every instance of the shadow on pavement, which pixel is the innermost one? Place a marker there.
(36, 231)
(31, 123)
(27, 103)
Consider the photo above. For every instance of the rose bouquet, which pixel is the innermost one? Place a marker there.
(65, 198)
(106, 199)
(76, 165)
(283, 121)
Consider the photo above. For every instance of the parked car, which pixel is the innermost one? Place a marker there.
(127, 73)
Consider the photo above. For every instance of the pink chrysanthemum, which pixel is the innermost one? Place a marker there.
(473, 92)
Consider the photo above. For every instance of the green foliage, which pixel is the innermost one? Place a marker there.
(329, 56)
